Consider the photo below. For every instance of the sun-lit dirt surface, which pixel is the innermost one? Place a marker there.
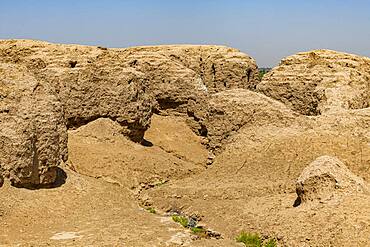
(84, 211)
(99, 209)
(111, 181)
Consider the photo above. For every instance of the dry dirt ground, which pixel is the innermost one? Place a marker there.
(111, 181)
(96, 205)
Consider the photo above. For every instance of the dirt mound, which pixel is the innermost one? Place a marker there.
(90, 83)
(228, 111)
(33, 137)
(174, 136)
(125, 85)
(325, 178)
(251, 183)
(320, 81)
(175, 75)
(99, 150)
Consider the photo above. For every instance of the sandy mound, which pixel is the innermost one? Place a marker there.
(175, 75)
(325, 178)
(86, 83)
(33, 136)
(228, 111)
(251, 184)
(320, 81)
(99, 150)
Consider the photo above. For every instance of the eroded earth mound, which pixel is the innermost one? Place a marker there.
(80, 84)
(33, 134)
(147, 136)
(320, 81)
(327, 178)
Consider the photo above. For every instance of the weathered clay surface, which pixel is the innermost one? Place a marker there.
(320, 81)
(175, 75)
(32, 128)
(252, 181)
(90, 82)
(228, 111)
(325, 178)
(125, 85)
(97, 149)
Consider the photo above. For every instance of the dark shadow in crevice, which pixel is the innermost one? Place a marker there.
(168, 103)
(249, 74)
(297, 202)
(72, 64)
(146, 143)
(61, 177)
(76, 122)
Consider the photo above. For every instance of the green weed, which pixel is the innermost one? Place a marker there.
(254, 240)
(249, 239)
(151, 210)
(271, 243)
(181, 220)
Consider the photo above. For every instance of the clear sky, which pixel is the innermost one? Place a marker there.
(267, 30)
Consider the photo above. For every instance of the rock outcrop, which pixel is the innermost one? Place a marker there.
(90, 83)
(59, 87)
(320, 81)
(33, 137)
(325, 178)
(175, 73)
(228, 111)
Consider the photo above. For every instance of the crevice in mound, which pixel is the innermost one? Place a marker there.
(213, 68)
(297, 202)
(168, 103)
(249, 74)
(135, 131)
(201, 129)
(192, 223)
(188, 222)
(72, 64)
(1, 179)
(60, 179)
(77, 122)
(146, 143)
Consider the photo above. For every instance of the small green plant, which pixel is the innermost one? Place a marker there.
(249, 239)
(159, 183)
(254, 240)
(151, 210)
(261, 73)
(271, 243)
(182, 220)
(197, 230)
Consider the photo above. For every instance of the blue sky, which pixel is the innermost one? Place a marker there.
(267, 30)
